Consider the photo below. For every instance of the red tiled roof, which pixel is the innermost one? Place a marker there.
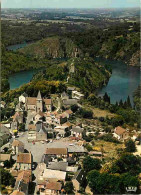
(31, 101)
(67, 124)
(31, 127)
(47, 101)
(24, 158)
(25, 176)
(17, 143)
(57, 151)
(4, 157)
(54, 186)
(17, 192)
(119, 130)
(68, 111)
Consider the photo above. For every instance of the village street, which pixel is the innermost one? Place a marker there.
(37, 149)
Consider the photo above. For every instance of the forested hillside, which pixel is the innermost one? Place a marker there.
(85, 74)
(53, 47)
(120, 43)
(137, 98)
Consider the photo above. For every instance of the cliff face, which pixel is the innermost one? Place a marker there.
(122, 48)
(135, 59)
(54, 47)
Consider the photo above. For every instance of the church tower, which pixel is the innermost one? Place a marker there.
(39, 102)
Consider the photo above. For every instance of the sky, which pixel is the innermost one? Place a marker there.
(69, 3)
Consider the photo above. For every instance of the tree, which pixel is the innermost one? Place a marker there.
(128, 180)
(121, 103)
(129, 102)
(91, 164)
(85, 113)
(104, 183)
(126, 163)
(117, 121)
(107, 129)
(130, 146)
(74, 107)
(89, 147)
(6, 178)
(69, 187)
(9, 163)
(22, 127)
(106, 98)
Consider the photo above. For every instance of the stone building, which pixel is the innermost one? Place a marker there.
(38, 104)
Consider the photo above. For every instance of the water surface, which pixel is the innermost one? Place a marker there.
(17, 46)
(20, 78)
(123, 81)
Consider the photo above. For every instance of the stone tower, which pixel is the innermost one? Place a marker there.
(39, 102)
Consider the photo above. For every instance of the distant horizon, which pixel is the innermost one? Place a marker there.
(69, 4)
(71, 8)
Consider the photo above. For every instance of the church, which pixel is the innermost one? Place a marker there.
(38, 104)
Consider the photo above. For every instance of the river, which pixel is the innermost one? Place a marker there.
(123, 81)
(17, 46)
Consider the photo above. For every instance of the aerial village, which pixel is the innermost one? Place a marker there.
(43, 146)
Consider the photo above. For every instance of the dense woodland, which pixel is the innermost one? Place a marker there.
(88, 75)
(137, 98)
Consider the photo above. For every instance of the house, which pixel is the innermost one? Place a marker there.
(22, 181)
(4, 157)
(78, 180)
(30, 104)
(51, 175)
(17, 147)
(38, 104)
(41, 135)
(22, 98)
(8, 125)
(68, 113)
(19, 107)
(24, 161)
(31, 132)
(88, 190)
(38, 117)
(61, 130)
(48, 104)
(4, 135)
(64, 96)
(60, 166)
(17, 192)
(68, 125)
(77, 95)
(4, 138)
(50, 188)
(79, 150)
(18, 117)
(2, 104)
(120, 133)
(71, 89)
(69, 102)
(77, 132)
(61, 153)
(60, 119)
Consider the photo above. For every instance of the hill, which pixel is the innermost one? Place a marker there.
(52, 47)
(120, 43)
(83, 73)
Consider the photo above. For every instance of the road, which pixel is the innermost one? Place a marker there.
(36, 150)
